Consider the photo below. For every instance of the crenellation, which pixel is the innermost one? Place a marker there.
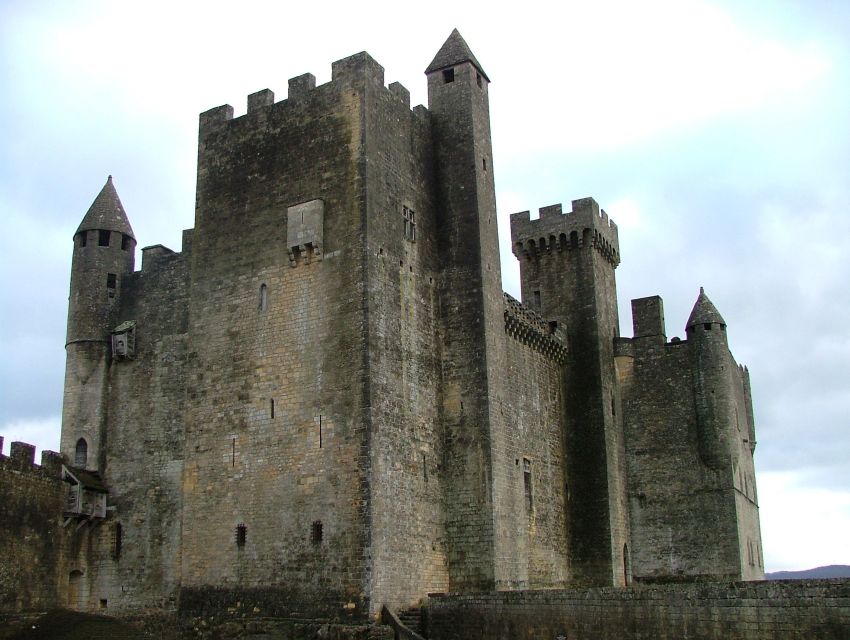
(300, 86)
(358, 71)
(260, 100)
(215, 117)
(308, 437)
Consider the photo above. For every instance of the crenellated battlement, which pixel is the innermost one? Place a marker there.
(21, 458)
(354, 72)
(523, 324)
(586, 225)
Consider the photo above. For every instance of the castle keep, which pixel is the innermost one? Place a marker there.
(327, 393)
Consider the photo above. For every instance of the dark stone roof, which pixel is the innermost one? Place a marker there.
(454, 51)
(107, 212)
(704, 311)
(89, 479)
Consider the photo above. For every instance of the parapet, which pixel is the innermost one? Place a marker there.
(22, 458)
(648, 318)
(586, 225)
(524, 325)
(153, 254)
(357, 70)
(354, 72)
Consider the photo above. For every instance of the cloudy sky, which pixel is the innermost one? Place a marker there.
(715, 133)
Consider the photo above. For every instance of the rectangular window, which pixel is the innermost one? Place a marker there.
(111, 280)
(536, 299)
(316, 532)
(528, 486)
(125, 242)
(448, 75)
(241, 535)
(83, 237)
(409, 224)
(103, 238)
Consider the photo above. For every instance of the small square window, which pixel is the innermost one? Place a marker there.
(448, 75)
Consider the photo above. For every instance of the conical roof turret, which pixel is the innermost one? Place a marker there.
(107, 212)
(704, 312)
(453, 52)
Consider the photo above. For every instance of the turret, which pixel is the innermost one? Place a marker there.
(714, 395)
(104, 250)
(472, 308)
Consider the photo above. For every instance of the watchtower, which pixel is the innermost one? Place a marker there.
(567, 263)
(104, 253)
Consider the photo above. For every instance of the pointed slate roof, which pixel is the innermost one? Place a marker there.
(704, 311)
(107, 212)
(454, 51)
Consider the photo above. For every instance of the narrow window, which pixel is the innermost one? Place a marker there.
(83, 235)
(478, 79)
(316, 532)
(537, 299)
(111, 280)
(103, 238)
(271, 408)
(125, 242)
(409, 224)
(527, 486)
(424, 467)
(484, 163)
(264, 297)
(448, 75)
(81, 453)
(117, 539)
(241, 535)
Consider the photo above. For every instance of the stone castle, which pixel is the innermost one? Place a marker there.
(327, 393)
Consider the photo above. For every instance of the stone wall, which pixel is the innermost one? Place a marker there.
(32, 540)
(812, 609)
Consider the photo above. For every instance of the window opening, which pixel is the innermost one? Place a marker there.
(409, 224)
(83, 237)
(271, 408)
(125, 242)
(103, 238)
(478, 79)
(241, 535)
(117, 540)
(448, 75)
(233, 452)
(484, 163)
(316, 532)
(103, 603)
(111, 280)
(537, 299)
(264, 297)
(527, 486)
(320, 431)
(706, 326)
(81, 453)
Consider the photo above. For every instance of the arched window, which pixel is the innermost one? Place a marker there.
(264, 297)
(81, 453)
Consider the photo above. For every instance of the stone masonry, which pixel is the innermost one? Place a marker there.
(325, 397)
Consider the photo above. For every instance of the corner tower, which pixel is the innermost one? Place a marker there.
(567, 263)
(104, 249)
(471, 311)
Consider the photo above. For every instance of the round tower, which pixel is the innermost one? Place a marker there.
(104, 253)
(714, 395)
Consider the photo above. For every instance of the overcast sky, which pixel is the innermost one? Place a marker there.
(716, 134)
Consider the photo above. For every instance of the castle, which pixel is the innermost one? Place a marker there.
(328, 393)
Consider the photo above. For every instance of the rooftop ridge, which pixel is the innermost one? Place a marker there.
(528, 327)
